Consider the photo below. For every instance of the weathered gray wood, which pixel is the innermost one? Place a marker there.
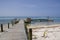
(8, 25)
(17, 32)
(1, 27)
(25, 25)
(30, 34)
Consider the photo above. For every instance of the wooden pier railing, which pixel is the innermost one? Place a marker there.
(28, 33)
(12, 22)
(1, 27)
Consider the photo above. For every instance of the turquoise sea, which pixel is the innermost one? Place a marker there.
(4, 20)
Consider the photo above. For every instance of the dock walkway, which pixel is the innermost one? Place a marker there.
(17, 32)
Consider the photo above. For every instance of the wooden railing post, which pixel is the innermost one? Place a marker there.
(8, 25)
(30, 34)
(12, 23)
(25, 25)
(1, 27)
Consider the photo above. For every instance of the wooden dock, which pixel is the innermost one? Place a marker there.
(16, 32)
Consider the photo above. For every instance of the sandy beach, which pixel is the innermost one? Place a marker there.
(45, 32)
(5, 26)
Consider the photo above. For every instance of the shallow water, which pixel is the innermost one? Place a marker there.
(5, 21)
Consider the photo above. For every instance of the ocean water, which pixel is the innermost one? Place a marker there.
(56, 20)
(4, 20)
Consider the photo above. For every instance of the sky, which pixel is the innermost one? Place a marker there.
(29, 7)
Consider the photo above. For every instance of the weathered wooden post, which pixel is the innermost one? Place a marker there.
(25, 25)
(26, 22)
(30, 34)
(12, 23)
(8, 25)
(1, 27)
